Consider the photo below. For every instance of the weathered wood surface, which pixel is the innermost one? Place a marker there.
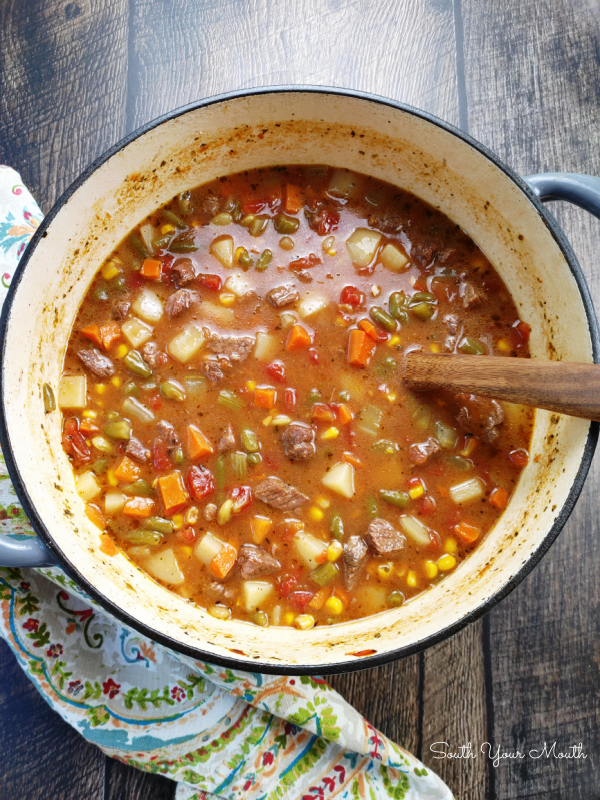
(523, 78)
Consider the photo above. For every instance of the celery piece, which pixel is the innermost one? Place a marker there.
(370, 420)
(142, 536)
(239, 462)
(139, 488)
(118, 429)
(229, 400)
(48, 398)
(171, 390)
(325, 574)
(220, 476)
(421, 418)
(100, 466)
(250, 440)
(446, 435)
(460, 463)
(399, 499)
(471, 347)
(159, 524)
(195, 384)
(134, 363)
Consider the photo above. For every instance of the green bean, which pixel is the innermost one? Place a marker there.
(395, 599)
(178, 456)
(265, 259)
(239, 462)
(100, 466)
(131, 389)
(397, 305)
(345, 396)
(472, 347)
(371, 506)
(118, 429)
(384, 319)
(325, 574)
(48, 398)
(133, 362)
(254, 459)
(163, 242)
(139, 488)
(399, 499)
(141, 536)
(284, 224)
(119, 283)
(220, 471)
(424, 311)
(423, 297)
(137, 245)
(158, 524)
(258, 226)
(183, 246)
(250, 440)
(245, 259)
(171, 390)
(337, 528)
(184, 203)
(174, 219)
(229, 400)
(313, 396)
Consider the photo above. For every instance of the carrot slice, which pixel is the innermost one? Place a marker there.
(92, 332)
(345, 415)
(128, 470)
(94, 515)
(260, 526)
(499, 498)
(320, 412)
(224, 561)
(197, 443)
(319, 598)
(151, 269)
(138, 507)
(88, 426)
(109, 334)
(293, 199)
(172, 492)
(351, 459)
(468, 533)
(107, 546)
(264, 397)
(298, 339)
(360, 348)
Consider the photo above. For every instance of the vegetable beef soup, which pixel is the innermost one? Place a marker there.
(233, 407)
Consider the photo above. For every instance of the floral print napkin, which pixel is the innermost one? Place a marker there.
(219, 733)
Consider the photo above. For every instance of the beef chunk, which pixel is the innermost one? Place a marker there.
(136, 450)
(227, 441)
(121, 309)
(274, 492)
(167, 433)
(283, 295)
(354, 558)
(210, 512)
(299, 441)
(225, 594)
(384, 539)
(254, 561)
(235, 348)
(388, 221)
(215, 369)
(480, 416)
(180, 301)
(97, 363)
(151, 354)
(304, 276)
(447, 256)
(210, 204)
(420, 453)
(471, 297)
(454, 330)
(183, 271)
(424, 252)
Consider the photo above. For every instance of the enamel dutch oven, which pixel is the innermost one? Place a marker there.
(500, 211)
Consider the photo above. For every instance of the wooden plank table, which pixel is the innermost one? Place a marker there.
(522, 76)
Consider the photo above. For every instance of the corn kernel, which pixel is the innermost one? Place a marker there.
(116, 381)
(323, 502)
(391, 396)
(304, 622)
(251, 385)
(121, 351)
(393, 341)
(89, 414)
(411, 579)
(288, 619)
(267, 420)
(334, 551)
(330, 433)
(226, 299)
(177, 522)
(384, 571)
(416, 492)
(191, 516)
(435, 348)
(446, 563)
(375, 290)
(504, 346)
(110, 271)
(167, 229)
(451, 545)
(333, 605)
(110, 476)
(100, 388)
(187, 550)
(316, 514)
(431, 569)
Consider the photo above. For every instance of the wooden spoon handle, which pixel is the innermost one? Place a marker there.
(555, 385)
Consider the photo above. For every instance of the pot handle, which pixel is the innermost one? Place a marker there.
(581, 190)
(24, 553)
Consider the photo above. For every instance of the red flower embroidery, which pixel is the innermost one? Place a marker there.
(111, 688)
(31, 625)
(267, 758)
(54, 651)
(177, 693)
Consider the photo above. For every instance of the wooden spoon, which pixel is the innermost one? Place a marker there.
(555, 385)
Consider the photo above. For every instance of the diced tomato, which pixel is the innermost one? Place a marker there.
(253, 205)
(520, 457)
(427, 505)
(212, 282)
(452, 518)
(73, 442)
(351, 296)
(290, 399)
(324, 221)
(435, 540)
(305, 263)
(435, 469)
(160, 457)
(313, 355)
(287, 529)
(187, 535)
(167, 263)
(287, 582)
(200, 482)
(242, 498)
(276, 369)
(299, 600)
(320, 412)
(134, 280)
(154, 401)
(412, 483)
(420, 285)
(523, 329)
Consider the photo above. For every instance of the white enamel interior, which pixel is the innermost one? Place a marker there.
(297, 127)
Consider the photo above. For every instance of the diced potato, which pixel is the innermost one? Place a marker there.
(311, 304)
(186, 344)
(148, 306)
(371, 599)
(309, 548)
(72, 391)
(238, 284)
(415, 530)
(468, 491)
(148, 234)
(393, 258)
(362, 246)
(351, 381)
(217, 313)
(113, 502)
(344, 183)
(133, 408)
(164, 566)
(87, 486)
(267, 346)
(222, 249)
(136, 332)
(255, 593)
(340, 479)
(207, 548)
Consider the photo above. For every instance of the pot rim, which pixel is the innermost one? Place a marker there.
(369, 661)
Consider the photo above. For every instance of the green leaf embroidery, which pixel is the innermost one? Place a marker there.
(58, 669)
(397, 792)
(94, 692)
(97, 715)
